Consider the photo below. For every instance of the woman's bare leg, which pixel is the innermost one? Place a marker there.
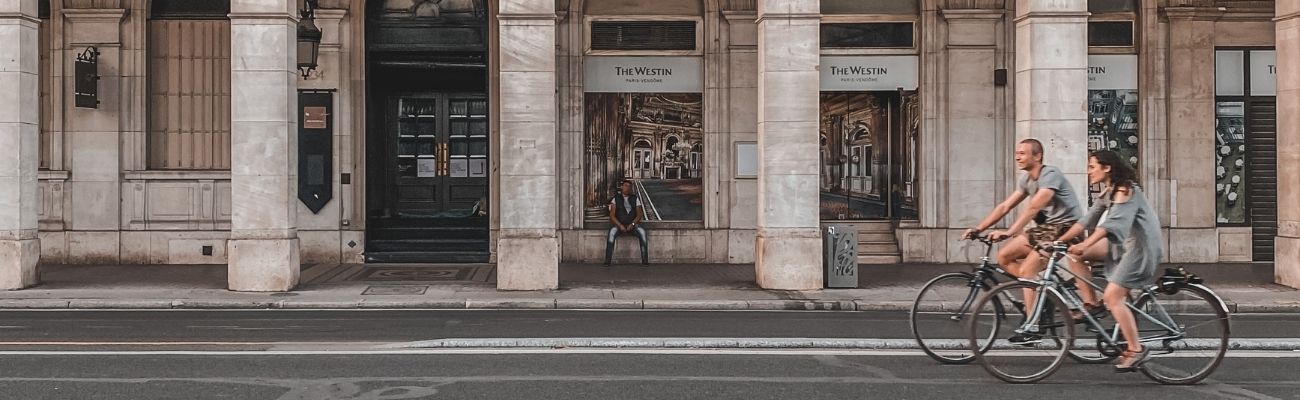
(1115, 297)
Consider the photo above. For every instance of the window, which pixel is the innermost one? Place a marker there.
(643, 35)
(1110, 33)
(189, 9)
(1101, 6)
(867, 35)
(189, 86)
(870, 6)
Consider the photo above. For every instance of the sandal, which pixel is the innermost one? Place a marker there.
(1130, 361)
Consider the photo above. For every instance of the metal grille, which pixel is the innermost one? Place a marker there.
(643, 35)
(868, 35)
(1261, 156)
(1110, 33)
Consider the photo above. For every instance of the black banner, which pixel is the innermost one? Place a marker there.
(315, 149)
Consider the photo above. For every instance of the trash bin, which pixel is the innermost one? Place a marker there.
(840, 256)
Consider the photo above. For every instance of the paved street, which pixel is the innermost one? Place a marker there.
(310, 354)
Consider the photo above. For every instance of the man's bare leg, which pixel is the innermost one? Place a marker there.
(1009, 257)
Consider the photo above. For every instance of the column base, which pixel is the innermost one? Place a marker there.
(263, 265)
(1286, 267)
(528, 259)
(18, 259)
(789, 259)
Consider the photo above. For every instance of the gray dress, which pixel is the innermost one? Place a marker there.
(1133, 230)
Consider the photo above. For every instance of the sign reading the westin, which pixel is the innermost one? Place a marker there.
(1112, 72)
(1263, 73)
(868, 73)
(643, 75)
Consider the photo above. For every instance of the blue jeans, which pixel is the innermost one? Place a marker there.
(614, 233)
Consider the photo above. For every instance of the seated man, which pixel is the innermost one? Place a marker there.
(625, 212)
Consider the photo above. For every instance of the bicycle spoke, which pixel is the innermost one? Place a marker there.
(939, 319)
(1025, 361)
(1194, 349)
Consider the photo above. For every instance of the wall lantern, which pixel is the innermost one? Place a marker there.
(85, 87)
(309, 37)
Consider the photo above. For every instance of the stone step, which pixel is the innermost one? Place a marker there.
(882, 248)
(441, 257)
(869, 237)
(879, 259)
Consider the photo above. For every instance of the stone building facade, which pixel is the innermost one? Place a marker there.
(496, 130)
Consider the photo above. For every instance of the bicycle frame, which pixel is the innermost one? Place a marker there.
(986, 272)
(1052, 282)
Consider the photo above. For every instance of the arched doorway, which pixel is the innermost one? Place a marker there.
(427, 130)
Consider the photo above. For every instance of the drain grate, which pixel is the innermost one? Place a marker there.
(394, 290)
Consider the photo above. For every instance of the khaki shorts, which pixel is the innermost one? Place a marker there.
(1049, 233)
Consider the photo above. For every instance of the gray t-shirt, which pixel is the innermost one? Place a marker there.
(1064, 207)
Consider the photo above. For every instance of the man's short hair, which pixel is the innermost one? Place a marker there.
(626, 182)
(1035, 146)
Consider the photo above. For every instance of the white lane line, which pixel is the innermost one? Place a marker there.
(684, 352)
(649, 202)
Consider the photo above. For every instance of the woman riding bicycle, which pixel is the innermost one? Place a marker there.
(1126, 238)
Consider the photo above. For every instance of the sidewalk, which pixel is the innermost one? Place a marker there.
(1244, 287)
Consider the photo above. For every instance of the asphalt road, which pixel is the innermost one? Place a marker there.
(205, 355)
(563, 375)
(411, 325)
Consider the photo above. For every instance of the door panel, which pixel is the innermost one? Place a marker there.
(437, 152)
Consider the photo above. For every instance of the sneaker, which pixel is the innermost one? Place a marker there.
(1025, 339)
(645, 265)
(605, 265)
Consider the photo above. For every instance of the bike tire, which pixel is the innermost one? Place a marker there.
(1001, 357)
(1193, 303)
(938, 323)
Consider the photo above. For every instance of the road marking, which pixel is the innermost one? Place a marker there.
(684, 352)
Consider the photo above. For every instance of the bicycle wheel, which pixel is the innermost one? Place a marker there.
(1027, 362)
(1196, 348)
(939, 316)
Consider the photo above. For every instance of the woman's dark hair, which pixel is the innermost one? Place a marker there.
(1121, 173)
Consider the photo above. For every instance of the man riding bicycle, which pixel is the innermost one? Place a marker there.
(1053, 201)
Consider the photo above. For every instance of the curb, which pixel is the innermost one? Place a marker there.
(1278, 344)
(515, 304)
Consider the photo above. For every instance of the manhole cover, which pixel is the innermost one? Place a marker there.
(392, 290)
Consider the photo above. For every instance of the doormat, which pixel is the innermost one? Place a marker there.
(339, 273)
(395, 290)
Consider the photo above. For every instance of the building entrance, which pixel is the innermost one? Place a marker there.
(868, 155)
(427, 132)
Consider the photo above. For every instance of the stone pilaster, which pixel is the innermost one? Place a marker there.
(1190, 110)
(527, 246)
(93, 135)
(1287, 251)
(1052, 82)
(972, 144)
(788, 253)
(263, 247)
(20, 250)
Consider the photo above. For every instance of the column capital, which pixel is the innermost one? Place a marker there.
(1193, 13)
(529, 9)
(972, 14)
(1045, 15)
(18, 9)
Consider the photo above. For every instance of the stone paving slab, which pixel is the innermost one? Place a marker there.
(673, 287)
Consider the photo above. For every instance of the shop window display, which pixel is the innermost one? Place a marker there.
(654, 139)
(1230, 162)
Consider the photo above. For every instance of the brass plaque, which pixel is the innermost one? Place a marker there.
(313, 118)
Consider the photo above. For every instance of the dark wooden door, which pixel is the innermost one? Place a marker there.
(437, 154)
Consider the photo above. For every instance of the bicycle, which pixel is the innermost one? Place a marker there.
(939, 311)
(1172, 313)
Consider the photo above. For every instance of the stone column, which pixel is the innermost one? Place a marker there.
(527, 247)
(263, 247)
(1190, 111)
(19, 137)
(788, 247)
(1052, 82)
(1287, 246)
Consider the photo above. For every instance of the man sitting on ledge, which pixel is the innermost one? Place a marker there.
(625, 212)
